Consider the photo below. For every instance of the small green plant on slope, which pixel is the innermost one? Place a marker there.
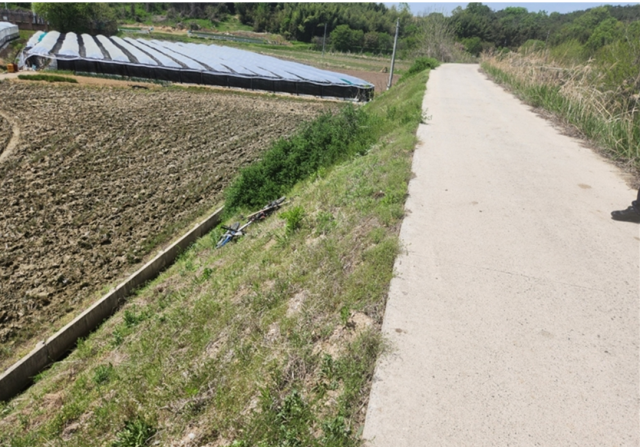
(294, 218)
(103, 373)
(136, 433)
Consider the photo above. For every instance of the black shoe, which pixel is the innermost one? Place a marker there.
(628, 215)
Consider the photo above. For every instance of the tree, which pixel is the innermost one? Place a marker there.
(344, 38)
(605, 33)
(92, 18)
(582, 27)
(378, 42)
(436, 38)
(476, 20)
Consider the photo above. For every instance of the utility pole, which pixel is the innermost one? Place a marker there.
(324, 38)
(393, 56)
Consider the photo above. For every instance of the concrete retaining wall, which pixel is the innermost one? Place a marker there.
(20, 375)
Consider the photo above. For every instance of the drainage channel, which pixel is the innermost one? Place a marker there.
(20, 375)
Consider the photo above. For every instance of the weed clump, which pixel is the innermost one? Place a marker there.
(294, 218)
(321, 143)
(136, 433)
(419, 65)
(103, 373)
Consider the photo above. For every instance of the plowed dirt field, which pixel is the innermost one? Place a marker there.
(101, 175)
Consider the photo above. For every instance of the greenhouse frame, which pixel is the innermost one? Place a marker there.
(189, 63)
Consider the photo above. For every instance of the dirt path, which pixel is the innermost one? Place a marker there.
(514, 316)
(15, 137)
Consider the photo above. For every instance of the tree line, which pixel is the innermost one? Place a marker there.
(480, 28)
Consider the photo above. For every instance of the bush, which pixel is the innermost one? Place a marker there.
(320, 143)
(420, 64)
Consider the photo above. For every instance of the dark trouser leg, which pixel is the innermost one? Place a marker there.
(636, 203)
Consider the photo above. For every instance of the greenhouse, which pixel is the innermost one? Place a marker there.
(8, 31)
(188, 63)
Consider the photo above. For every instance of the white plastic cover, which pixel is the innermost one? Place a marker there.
(115, 53)
(232, 60)
(70, 46)
(91, 48)
(33, 40)
(164, 60)
(47, 43)
(8, 31)
(142, 57)
(188, 62)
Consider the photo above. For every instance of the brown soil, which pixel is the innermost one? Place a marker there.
(88, 80)
(101, 175)
(380, 80)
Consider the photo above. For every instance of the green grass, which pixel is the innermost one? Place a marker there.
(47, 78)
(618, 132)
(270, 341)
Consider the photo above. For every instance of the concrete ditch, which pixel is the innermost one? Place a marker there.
(20, 375)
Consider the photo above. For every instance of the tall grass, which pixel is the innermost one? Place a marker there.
(581, 94)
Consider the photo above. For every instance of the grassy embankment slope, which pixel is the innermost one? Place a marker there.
(269, 341)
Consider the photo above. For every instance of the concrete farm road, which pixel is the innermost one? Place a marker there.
(514, 313)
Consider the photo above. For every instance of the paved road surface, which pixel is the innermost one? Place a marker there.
(515, 313)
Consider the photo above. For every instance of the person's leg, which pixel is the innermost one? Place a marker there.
(636, 203)
(631, 214)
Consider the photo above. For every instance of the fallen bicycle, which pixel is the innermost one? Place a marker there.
(235, 230)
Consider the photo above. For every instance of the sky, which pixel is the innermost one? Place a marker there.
(565, 7)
